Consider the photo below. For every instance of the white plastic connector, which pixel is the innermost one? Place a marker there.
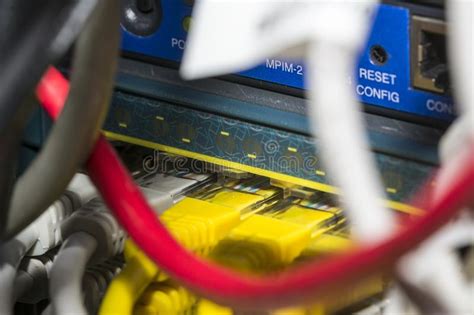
(162, 191)
(171, 185)
(31, 283)
(81, 189)
(39, 237)
(95, 219)
(160, 201)
(11, 254)
(47, 226)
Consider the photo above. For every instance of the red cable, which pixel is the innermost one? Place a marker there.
(295, 286)
(52, 91)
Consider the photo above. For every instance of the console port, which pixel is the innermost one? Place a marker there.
(429, 64)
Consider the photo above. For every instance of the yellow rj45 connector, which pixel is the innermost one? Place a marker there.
(324, 245)
(165, 299)
(198, 225)
(318, 221)
(195, 223)
(261, 243)
(269, 241)
(275, 238)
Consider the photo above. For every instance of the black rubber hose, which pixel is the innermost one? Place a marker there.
(76, 131)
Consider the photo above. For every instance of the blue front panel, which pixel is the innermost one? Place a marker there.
(385, 85)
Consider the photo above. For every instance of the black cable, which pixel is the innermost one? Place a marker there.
(33, 35)
(73, 136)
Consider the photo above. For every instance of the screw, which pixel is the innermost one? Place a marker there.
(378, 55)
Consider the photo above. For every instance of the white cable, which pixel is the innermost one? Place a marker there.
(40, 236)
(337, 121)
(436, 269)
(398, 304)
(92, 236)
(459, 134)
(79, 191)
(67, 273)
(442, 277)
(330, 34)
(82, 188)
(460, 14)
(11, 254)
(31, 283)
(336, 117)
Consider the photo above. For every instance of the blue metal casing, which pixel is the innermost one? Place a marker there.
(387, 85)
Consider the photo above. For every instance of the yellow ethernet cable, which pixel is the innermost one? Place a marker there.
(127, 287)
(252, 247)
(206, 307)
(264, 243)
(352, 296)
(326, 244)
(257, 244)
(343, 302)
(246, 203)
(370, 288)
(261, 243)
(275, 238)
(318, 221)
(197, 224)
(249, 196)
(165, 299)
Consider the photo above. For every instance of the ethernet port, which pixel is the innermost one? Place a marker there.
(429, 64)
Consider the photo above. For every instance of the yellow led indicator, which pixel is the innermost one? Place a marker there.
(160, 118)
(123, 125)
(391, 190)
(187, 23)
(186, 140)
(320, 173)
(252, 156)
(291, 149)
(225, 133)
